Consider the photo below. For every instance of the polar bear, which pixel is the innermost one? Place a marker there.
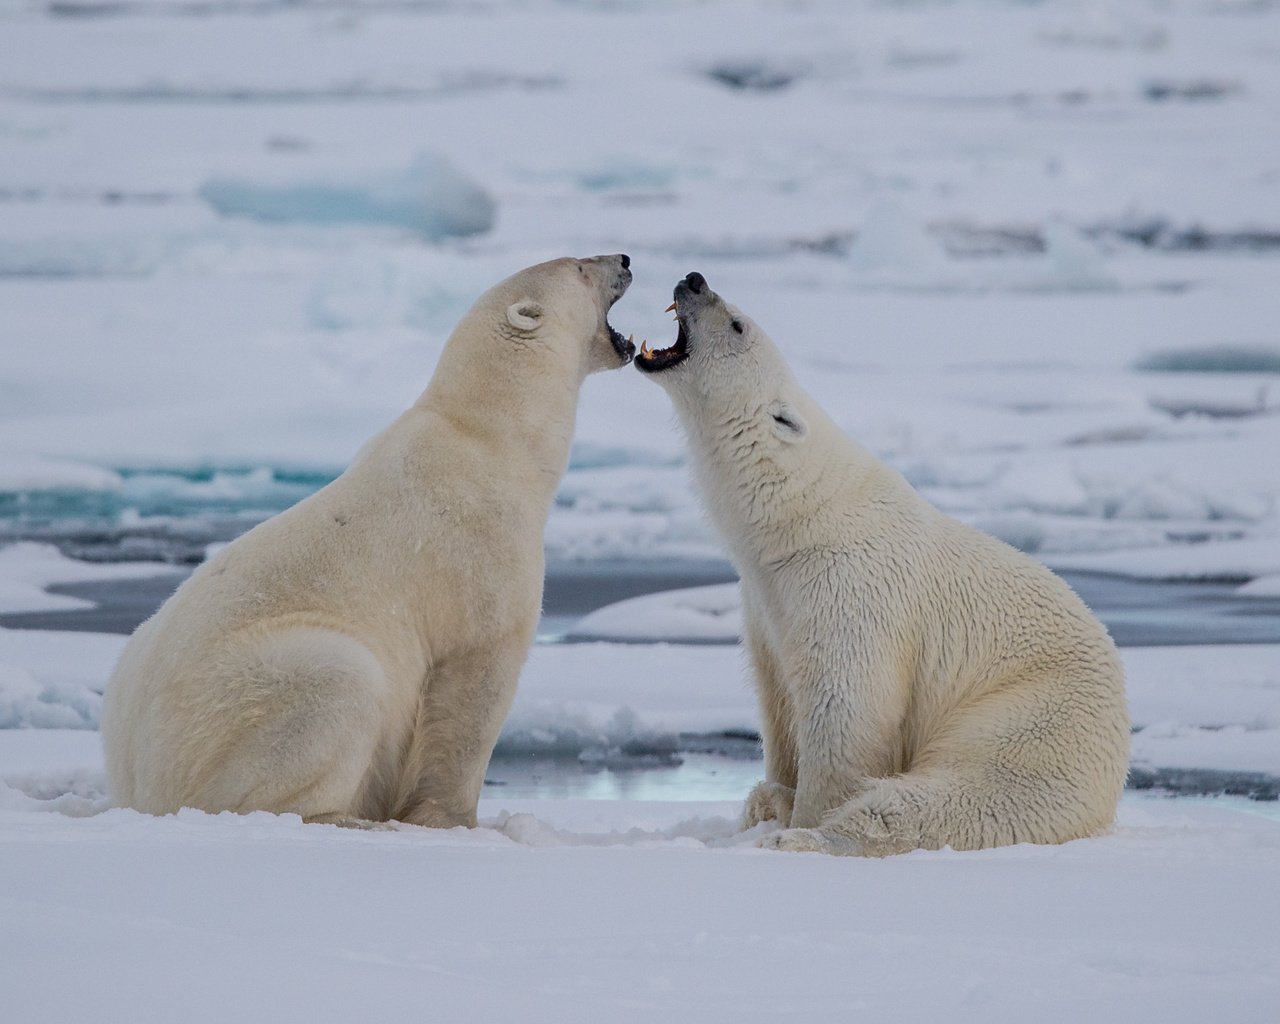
(921, 684)
(351, 660)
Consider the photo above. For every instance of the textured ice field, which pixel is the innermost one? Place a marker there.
(1193, 707)
(1026, 252)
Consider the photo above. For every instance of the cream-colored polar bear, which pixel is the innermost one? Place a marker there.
(921, 684)
(352, 659)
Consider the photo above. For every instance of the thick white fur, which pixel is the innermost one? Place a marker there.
(352, 659)
(921, 684)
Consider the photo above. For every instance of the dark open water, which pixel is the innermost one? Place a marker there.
(1138, 613)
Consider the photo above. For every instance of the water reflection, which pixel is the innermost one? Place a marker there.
(697, 777)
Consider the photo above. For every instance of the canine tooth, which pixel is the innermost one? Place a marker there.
(669, 308)
(644, 349)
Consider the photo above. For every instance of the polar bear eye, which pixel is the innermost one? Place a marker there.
(736, 325)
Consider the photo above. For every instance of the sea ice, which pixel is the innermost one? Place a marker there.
(27, 568)
(711, 614)
(431, 198)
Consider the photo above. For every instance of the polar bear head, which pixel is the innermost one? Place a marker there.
(563, 305)
(724, 369)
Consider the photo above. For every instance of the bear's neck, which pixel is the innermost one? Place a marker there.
(766, 502)
(520, 414)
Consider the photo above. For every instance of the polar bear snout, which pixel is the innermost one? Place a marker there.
(622, 276)
(691, 295)
(612, 274)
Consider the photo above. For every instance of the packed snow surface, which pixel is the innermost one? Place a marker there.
(569, 911)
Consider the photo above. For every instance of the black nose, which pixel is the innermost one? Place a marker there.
(695, 283)
(626, 261)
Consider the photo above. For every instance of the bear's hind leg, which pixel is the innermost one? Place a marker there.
(308, 706)
(1042, 764)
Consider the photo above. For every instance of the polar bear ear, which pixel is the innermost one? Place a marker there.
(788, 424)
(524, 315)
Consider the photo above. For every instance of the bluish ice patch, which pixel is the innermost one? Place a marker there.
(152, 492)
(160, 514)
(628, 175)
(432, 199)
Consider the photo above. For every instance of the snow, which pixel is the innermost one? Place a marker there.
(1263, 586)
(571, 911)
(1225, 560)
(711, 614)
(579, 909)
(32, 473)
(27, 568)
(1025, 252)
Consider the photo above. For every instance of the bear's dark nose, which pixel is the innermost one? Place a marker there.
(626, 261)
(695, 283)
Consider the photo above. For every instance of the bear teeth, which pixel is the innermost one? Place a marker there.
(669, 308)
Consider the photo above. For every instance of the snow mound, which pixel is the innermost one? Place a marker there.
(695, 615)
(31, 473)
(1263, 586)
(53, 680)
(27, 568)
(1222, 560)
(432, 199)
(27, 703)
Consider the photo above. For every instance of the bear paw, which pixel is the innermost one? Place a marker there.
(350, 821)
(808, 841)
(769, 801)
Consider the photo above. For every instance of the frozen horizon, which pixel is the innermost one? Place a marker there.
(1024, 252)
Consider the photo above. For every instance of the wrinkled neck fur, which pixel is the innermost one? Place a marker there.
(754, 486)
(518, 397)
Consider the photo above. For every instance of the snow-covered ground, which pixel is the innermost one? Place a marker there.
(1027, 252)
(587, 911)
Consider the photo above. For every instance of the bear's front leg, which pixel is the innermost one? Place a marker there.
(810, 840)
(768, 801)
(463, 707)
(848, 732)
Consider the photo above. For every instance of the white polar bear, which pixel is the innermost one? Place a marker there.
(352, 659)
(921, 684)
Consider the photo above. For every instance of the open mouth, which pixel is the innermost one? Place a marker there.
(655, 360)
(625, 347)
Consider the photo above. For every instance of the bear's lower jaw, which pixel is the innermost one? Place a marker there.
(658, 359)
(625, 347)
